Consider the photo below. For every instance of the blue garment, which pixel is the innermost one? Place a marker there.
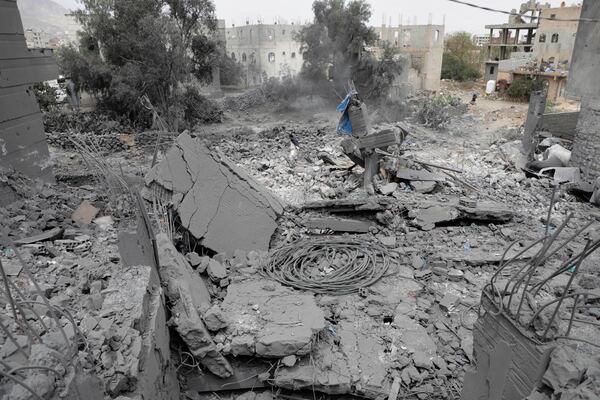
(345, 125)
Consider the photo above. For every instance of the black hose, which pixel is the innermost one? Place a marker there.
(328, 265)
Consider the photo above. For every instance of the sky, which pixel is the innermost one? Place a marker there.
(457, 17)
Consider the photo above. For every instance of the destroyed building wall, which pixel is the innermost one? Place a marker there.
(555, 40)
(586, 55)
(22, 139)
(424, 45)
(584, 83)
(264, 49)
(586, 146)
(508, 364)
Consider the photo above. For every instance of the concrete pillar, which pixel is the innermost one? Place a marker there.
(586, 146)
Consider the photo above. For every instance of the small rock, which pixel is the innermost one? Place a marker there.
(193, 258)
(216, 271)
(203, 265)
(388, 189)
(289, 361)
(214, 319)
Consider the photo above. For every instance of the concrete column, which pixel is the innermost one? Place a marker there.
(586, 146)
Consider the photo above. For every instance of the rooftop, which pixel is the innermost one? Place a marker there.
(532, 25)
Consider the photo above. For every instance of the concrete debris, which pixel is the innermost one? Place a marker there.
(85, 213)
(216, 271)
(270, 320)
(214, 319)
(339, 224)
(217, 202)
(427, 218)
(49, 235)
(187, 293)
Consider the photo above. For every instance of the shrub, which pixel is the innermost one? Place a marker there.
(522, 88)
(45, 95)
(456, 69)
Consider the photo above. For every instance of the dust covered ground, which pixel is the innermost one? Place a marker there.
(414, 327)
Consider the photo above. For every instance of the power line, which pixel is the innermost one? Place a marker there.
(519, 15)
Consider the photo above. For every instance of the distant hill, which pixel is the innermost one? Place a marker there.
(48, 16)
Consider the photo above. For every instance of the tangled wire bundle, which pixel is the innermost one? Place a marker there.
(328, 265)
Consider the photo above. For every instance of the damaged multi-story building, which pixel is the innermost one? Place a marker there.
(544, 51)
(265, 50)
(422, 46)
(273, 51)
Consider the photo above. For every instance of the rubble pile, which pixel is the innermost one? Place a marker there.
(71, 248)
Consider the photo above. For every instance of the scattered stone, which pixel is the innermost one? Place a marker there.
(388, 189)
(85, 213)
(193, 258)
(214, 319)
(289, 361)
(216, 271)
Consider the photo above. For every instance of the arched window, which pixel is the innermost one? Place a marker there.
(271, 57)
(233, 56)
(542, 38)
(283, 53)
(293, 54)
(244, 57)
(555, 38)
(436, 36)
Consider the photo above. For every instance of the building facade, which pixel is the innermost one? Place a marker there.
(36, 39)
(481, 40)
(265, 51)
(555, 40)
(423, 47)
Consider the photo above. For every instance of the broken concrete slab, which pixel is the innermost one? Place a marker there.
(85, 213)
(187, 294)
(431, 215)
(280, 321)
(417, 175)
(49, 235)
(339, 224)
(217, 202)
(388, 188)
(423, 186)
(216, 271)
(427, 218)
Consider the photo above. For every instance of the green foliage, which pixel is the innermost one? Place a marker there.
(374, 77)
(45, 95)
(522, 88)
(456, 69)
(461, 60)
(129, 49)
(436, 112)
(333, 46)
(231, 71)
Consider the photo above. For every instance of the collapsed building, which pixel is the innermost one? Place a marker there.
(350, 267)
(423, 46)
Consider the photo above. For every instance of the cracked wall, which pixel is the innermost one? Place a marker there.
(217, 202)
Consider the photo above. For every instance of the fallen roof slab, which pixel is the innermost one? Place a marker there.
(216, 201)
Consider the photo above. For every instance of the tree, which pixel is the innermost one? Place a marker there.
(461, 58)
(133, 48)
(335, 42)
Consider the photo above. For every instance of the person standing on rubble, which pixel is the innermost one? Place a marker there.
(294, 148)
(72, 95)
